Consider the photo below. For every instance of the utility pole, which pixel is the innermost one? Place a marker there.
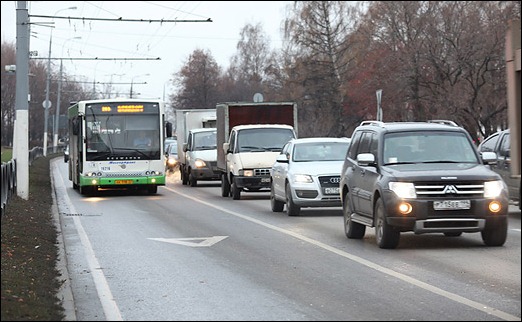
(21, 129)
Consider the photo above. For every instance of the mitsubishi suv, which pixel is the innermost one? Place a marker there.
(425, 177)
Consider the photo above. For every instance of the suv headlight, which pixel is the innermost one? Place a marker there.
(493, 189)
(303, 178)
(403, 189)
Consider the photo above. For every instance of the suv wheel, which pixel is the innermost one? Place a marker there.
(277, 205)
(352, 229)
(385, 235)
(291, 208)
(495, 234)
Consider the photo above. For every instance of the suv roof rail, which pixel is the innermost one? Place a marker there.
(377, 123)
(447, 122)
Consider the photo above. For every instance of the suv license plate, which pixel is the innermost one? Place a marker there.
(451, 204)
(331, 191)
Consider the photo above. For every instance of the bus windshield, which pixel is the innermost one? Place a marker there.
(122, 135)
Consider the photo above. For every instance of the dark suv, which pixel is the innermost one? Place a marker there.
(425, 177)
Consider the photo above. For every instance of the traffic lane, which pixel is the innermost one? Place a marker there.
(251, 269)
(434, 264)
(461, 265)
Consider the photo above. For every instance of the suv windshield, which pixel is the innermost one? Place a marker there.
(433, 146)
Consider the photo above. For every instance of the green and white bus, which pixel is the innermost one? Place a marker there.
(105, 151)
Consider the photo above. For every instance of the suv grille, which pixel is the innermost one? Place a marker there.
(329, 181)
(438, 190)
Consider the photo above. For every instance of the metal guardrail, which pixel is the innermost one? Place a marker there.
(8, 178)
(8, 182)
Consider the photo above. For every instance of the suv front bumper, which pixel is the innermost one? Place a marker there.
(425, 219)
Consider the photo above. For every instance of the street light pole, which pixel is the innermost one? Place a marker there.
(57, 112)
(47, 103)
(132, 82)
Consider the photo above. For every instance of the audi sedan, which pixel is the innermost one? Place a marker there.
(307, 173)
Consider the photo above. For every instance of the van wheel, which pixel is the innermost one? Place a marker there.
(193, 180)
(352, 229)
(386, 236)
(184, 177)
(277, 205)
(225, 186)
(236, 192)
(495, 234)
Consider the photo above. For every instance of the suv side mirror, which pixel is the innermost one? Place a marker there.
(226, 147)
(489, 157)
(366, 159)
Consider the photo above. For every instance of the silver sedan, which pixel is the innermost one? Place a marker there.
(307, 173)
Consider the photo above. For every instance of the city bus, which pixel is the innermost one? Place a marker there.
(117, 144)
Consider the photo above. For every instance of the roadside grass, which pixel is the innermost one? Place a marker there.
(30, 278)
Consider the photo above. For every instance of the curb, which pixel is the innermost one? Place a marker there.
(65, 293)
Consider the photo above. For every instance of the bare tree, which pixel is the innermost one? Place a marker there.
(197, 81)
(249, 68)
(318, 30)
(8, 94)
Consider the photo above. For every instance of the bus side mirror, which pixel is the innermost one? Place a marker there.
(168, 129)
(76, 126)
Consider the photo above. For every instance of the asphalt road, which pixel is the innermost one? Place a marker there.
(189, 254)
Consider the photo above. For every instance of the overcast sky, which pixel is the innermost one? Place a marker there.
(172, 42)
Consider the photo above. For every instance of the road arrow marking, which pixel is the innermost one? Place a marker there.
(203, 241)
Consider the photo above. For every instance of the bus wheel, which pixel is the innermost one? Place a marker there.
(85, 190)
(153, 189)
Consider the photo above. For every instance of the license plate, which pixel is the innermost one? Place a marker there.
(123, 182)
(331, 191)
(451, 204)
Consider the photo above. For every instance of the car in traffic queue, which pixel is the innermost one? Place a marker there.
(500, 143)
(307, 173)
(172, 159)
(424, 177)
(66, 153)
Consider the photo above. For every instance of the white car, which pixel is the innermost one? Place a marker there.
(307, 173)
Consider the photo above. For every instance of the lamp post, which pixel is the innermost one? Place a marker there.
(47, 103)
(132, 82)
(169, 80)
(57, 114)
(111, 84)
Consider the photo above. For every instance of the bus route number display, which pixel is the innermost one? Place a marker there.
(128, 108)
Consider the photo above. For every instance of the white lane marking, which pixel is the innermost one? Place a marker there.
(362, 261)
(110, 308)
(203, 242)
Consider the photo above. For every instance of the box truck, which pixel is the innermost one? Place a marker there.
(249, 138)
(197, 153)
